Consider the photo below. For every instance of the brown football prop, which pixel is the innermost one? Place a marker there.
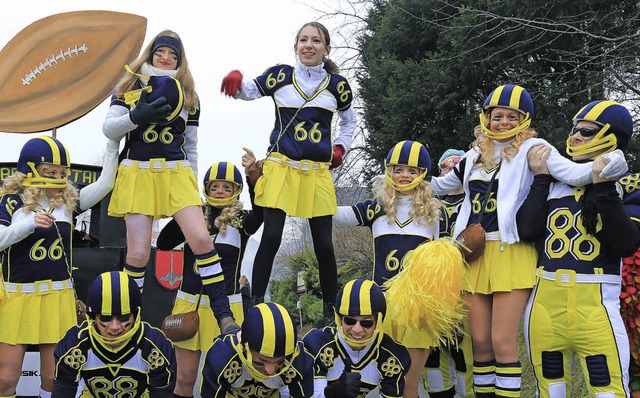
(59, 68)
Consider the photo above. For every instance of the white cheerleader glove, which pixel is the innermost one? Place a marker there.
(616, 165)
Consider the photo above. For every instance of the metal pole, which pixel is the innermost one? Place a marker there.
(299, 305)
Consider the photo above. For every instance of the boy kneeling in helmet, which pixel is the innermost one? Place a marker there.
(114, 352)
(264, 359)
(357, 356)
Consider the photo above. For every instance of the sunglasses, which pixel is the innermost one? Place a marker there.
(119, 318)
(586, 131)
(365, 323)
(448, 162)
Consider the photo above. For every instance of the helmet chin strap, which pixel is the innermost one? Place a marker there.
(34, 179)
(114, 345)
(600, 141)
(505, 134)
(223, 202)
(359, 343)
(404, 187)
(244, 352)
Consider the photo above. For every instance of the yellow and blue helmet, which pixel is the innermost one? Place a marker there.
(269, 330)
(407, 153)
(43, 149)
(360, 297)
(222, 171)
(616, 128)
(509, 96)
(113, 294)
(158, 86)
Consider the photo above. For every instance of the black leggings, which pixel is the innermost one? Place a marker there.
(321, 233)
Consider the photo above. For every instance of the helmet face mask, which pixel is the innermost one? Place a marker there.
(616, 129)
(407, 153)
(113, 297)
(222, 171)
(39, 152)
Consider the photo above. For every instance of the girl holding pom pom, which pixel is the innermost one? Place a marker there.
(402, 216)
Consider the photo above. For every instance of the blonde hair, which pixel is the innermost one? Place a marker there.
(228, 217)
(65, 197)
(485, 144)
(128, 80)
(425, 208)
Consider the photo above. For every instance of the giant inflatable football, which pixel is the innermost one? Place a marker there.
(60, 67)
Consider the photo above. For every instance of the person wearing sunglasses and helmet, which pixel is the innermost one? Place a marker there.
(402, 215)
(38, 206)
(264, 359)
(230, 227)
(114, 353)
(356, 356)
(496, 178)
(575, 305)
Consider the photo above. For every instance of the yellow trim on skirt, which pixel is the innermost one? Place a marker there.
(503, 270)
(37, 318)
(159, 192)
(209, 328)
(299, 193)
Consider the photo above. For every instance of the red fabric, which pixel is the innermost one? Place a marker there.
(338, 154)
(232, 83)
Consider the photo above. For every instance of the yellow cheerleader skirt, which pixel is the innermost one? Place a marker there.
(300, 188)
(209, 328)
(502, 270)
(37, 317)
(160, 191)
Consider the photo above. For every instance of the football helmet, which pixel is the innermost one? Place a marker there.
(113, 294)
(509, 96)
(361, 297)
(222, 171)
(269, 330)
(158, 86)
(407, 153)
(616, 128)
(43, 149)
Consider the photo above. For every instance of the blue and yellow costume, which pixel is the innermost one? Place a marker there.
(296, 179)
(230, 368)
(380, 361)
(508, 263)
(140, 362)
(230, 247)
(394, 237)
(156, 159)
(575, 305)
(296, 172)
(38, 303)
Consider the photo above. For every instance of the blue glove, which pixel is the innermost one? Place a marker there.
(145, 114)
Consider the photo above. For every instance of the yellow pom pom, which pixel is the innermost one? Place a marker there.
(427, 294)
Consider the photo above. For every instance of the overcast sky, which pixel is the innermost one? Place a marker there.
(246, 35)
